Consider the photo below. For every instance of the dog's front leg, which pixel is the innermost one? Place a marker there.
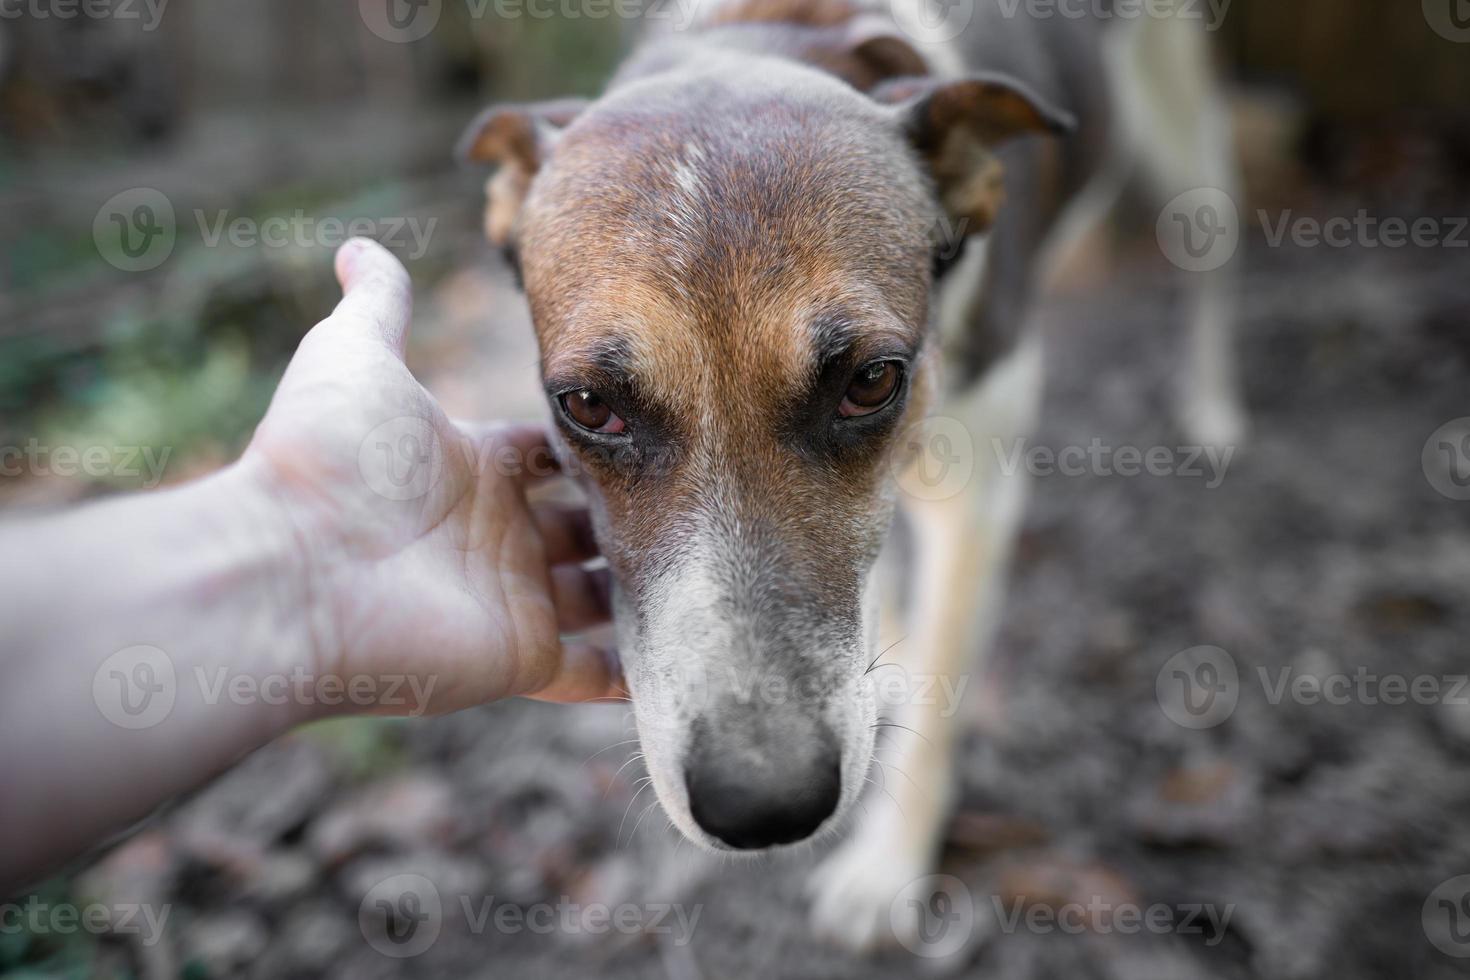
(962, 543)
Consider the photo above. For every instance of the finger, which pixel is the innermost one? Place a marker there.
(566, 533)
(377, 296)
(515, 449)
(588, 673)
(582, 597)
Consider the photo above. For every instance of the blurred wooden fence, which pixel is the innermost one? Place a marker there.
(1349, 59)
(1353, 59)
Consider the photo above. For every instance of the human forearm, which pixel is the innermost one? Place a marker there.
(124, 626)
(366, 554)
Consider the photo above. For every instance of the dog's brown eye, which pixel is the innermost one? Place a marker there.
(587, 409)
(872, 387)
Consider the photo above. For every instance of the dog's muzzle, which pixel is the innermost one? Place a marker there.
(752, 793)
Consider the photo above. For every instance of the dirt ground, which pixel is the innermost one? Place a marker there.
(1322, 828)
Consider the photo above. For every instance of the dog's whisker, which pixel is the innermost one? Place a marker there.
(608, 748)
(883, 653)
(630, 760)
(619, 838)
(613, 781)
(896, 768)
(634, 835)
(894, 724)
(885, 792)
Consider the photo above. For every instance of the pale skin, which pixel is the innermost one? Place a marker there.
(284, 589)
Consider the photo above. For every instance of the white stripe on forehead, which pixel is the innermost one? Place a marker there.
(685, 202)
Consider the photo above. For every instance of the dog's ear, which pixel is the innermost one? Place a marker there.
(954, 125)
(876, 51)
(518, 139)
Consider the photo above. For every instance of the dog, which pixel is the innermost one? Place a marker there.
(775, 245)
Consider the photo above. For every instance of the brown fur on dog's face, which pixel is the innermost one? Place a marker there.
(716, 258)
(715, 252)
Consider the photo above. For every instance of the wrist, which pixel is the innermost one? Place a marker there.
(288, 633)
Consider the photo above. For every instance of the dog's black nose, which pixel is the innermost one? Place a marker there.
(752, 800)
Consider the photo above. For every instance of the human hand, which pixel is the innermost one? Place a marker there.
(420, 553)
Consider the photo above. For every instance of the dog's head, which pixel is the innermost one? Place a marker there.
(729, 267)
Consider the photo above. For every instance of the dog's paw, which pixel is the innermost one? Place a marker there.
(855, 895)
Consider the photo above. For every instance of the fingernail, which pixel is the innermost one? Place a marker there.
(347, 257)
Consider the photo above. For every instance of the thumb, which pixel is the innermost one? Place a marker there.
(377, 296)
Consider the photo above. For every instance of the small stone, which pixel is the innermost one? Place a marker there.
(223, 943)
(405, 813)
(313, 936)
